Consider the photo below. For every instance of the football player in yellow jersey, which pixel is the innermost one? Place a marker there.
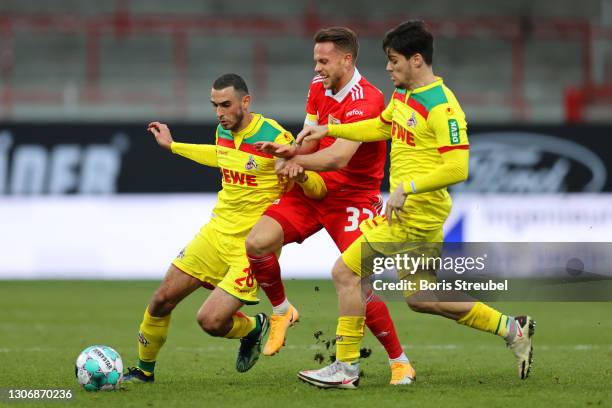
(429, 152)
(215, 258)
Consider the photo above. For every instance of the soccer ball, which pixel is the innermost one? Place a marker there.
(99, 368)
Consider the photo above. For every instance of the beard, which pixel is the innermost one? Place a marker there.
(333, 82)
(236, 126)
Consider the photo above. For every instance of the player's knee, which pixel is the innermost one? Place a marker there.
(342, 275)
(162, 303)
(211, 324)
(254, 244)
(260, 244)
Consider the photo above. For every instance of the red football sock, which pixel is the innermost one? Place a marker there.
(267, 272)
(380, 324)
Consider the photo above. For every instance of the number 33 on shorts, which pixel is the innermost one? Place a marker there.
(355, 216)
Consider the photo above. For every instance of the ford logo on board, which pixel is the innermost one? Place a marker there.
(522, 162)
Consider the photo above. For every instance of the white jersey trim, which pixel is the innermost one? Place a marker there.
(308, 122)
(317, 79)
(341, 94)
(356, 92)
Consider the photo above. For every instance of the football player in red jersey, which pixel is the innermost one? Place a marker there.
(352, 173)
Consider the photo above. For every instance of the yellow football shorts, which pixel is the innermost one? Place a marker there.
(220, 260)
(380, 239)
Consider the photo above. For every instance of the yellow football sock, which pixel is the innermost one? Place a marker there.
(243, 325)
(151, 338)
(348, 338)
(485, 318)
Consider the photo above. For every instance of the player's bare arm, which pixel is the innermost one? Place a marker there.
(286, 171)
(285, 151)
(292, 171)
(331, 158)
(282, 151)
(311, 133)
(312, 184)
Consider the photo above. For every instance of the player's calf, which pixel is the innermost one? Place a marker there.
(161, 304)
(262, 243)
(422, 306)
(215, 325)
(176, 286)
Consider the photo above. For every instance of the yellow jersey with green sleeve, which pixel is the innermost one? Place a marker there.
(249, 183)
(425, 123)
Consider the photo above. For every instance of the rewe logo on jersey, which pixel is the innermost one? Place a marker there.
(239, 178)
(402, 134)
(354, 112)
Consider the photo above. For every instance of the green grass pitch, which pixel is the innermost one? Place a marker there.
(44, 326)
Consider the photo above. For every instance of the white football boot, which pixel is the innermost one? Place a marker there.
(335, 375)
(521, 345)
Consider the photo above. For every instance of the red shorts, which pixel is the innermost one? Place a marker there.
(340, 213)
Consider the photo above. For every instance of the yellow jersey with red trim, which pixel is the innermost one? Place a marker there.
(425, 123)
(249, 183)
(422, 124)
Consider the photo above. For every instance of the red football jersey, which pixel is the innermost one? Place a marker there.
(357, 100)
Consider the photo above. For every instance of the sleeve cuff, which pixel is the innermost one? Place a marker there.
(413, 187)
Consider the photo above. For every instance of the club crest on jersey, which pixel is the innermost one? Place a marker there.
(412, 121)
(251, 164)
(333, 121)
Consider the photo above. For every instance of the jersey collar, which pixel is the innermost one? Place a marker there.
(251, 127)
(341, 94)
(427, 87)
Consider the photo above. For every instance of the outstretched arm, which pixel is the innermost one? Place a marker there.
(370, 130)
(205, 154)
(331, 158)
(286, 151)
(200, 153)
